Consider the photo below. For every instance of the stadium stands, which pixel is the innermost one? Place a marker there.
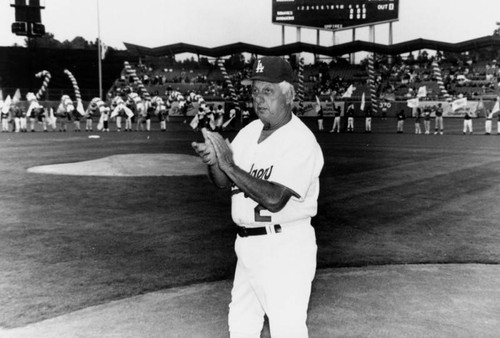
(471, 73)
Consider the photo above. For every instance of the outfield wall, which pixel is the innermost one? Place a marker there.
(393, 107)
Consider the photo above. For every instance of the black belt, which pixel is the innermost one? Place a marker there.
(246, 232)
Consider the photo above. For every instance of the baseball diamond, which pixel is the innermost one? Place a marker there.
(388, 201)
(329, 169)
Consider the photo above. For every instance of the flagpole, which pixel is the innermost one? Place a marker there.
(99, 51)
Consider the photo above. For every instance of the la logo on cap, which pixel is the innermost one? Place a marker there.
(260, 67)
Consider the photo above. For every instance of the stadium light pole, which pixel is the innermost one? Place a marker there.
(317, 44)
(353, 54)
(390, 40)
(99, 51)
(372, 33)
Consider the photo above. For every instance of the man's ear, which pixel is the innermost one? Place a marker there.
(289, 97)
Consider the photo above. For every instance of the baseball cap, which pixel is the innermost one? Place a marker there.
(270, 69)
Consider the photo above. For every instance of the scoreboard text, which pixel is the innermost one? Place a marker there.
(334, 14)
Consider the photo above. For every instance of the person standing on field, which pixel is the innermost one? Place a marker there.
(368, 120)
(439, 120)
(272, 168)
(401, 121)
(427, 120)
(319, 114)
(418, 117)
(488, 122)
(350, 118)
(336, 120)
(467, 122)
(498, 124)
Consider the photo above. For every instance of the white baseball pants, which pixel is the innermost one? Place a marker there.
(273, 277)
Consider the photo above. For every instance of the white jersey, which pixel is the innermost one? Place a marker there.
(134, 97)
(141, 106)
(159, 104)
(119, 105)
(117, 101)
(33, 105)
(291, 157)
(65, 106)
(96, 104)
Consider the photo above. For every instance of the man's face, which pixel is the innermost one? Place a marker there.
(269, 102)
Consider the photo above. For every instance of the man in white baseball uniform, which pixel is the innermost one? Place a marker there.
(273, 167)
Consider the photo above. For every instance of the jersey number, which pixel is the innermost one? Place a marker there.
(256, 211)
(258, 216)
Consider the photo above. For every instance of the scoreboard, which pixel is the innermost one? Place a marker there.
(334, 14)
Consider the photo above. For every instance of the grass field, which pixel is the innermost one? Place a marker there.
(68, 242)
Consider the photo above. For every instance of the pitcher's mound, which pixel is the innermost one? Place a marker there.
(129, 165)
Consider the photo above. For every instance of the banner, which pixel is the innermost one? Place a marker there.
(17, 96)
(412, 103)
(496, 107)
(192, 108)
(460, 103)
(393, 108)
(6, 105)
(328, 108)
(422, 92)
(349, 91)
(448, 111)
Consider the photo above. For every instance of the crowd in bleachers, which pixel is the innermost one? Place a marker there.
(204, 78)
(397, 76)
(461, 76)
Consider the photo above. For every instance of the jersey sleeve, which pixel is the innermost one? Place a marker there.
(300, 164)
